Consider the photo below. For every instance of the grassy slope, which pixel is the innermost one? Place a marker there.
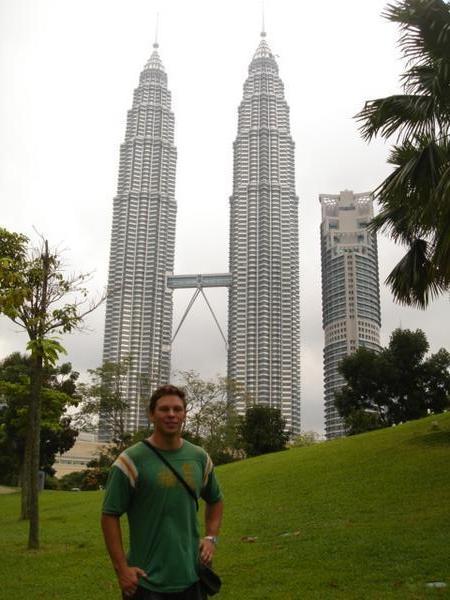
(362, 517)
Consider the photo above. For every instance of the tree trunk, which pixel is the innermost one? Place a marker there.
(33, 439)
(24, 481)
(34, 429)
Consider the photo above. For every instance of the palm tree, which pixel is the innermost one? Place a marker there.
(415, 197)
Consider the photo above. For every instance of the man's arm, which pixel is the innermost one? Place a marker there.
(128, 576)
(213, 519)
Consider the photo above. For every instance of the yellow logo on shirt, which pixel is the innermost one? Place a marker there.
(167, 479)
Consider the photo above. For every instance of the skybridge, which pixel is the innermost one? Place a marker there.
(199, 282)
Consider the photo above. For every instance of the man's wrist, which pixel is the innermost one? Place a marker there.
(120, 566)
(212, 538)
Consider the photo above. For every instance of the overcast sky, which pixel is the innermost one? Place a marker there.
(67, 73)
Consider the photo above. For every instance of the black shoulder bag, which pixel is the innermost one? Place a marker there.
(210, 581)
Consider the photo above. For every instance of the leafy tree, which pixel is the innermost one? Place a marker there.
(415, 197)
(201, 396)
(262, 430)
(57, 434)
(38, 296)
(436, 377)
(105, 396)
(395, 385)
(212, 420)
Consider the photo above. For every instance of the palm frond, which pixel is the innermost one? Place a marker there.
(432, 82)
(441, 249)
(407, 115)
(413, 281)
(425, 25)
(409, 204)
(394, 220)
(415, 197)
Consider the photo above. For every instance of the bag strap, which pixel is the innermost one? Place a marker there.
(188, 488)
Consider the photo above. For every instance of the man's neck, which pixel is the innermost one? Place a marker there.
(163, 442)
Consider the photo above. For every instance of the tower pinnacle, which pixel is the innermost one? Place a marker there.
(155, 43)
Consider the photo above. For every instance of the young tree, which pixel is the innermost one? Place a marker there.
(415, 198)
(38, 296)
(105, 397)
(201, 397)
(262, 430)
(212, 419)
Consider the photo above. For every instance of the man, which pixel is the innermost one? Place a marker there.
(165, 547)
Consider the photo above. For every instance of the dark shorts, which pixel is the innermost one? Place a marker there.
(194, 592)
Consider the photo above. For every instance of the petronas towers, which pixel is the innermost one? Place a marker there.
(138, 321)
(263, 324)
(264, 338)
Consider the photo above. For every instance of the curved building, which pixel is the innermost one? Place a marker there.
(264, 329)
(350, 289)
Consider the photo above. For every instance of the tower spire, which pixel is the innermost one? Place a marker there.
(263, 28)
(155, 43)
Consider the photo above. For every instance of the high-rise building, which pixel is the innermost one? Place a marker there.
(264, 330)
(138, 322)
(350, 289)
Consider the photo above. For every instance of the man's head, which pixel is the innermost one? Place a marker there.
(166, 390)
(167, 410)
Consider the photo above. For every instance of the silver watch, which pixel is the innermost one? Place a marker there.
(212, 538)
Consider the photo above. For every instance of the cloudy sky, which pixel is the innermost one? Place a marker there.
(67, 73)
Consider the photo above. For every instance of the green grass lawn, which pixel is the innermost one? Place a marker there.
(362, 517)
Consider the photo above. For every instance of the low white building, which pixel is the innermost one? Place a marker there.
(76, 459)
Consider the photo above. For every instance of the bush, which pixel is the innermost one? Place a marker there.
(262, 430)
(304, 439)
(71, 480)
(51, 483)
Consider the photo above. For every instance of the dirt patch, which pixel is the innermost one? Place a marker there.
(8, 490)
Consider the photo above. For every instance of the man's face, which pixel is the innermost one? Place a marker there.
(169, 415)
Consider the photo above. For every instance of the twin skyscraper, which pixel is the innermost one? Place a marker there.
(263, 280)
(263, 323)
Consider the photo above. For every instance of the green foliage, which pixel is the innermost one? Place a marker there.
(13, 288)
(105, 396)
(262, 430)
(87, 480)
(48, 348)
(212, 421)
(57, 433)
(38, 296)
(303, 440)
(361, 420)
(365, 517)
(51, 483)
(395, 385)
(72, 480)
(33, 286)
(415, 197)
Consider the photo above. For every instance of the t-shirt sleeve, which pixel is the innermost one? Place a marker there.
(119, 487)
(211, 492)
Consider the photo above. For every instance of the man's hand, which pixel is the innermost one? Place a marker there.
(207, 549)
(129, 578)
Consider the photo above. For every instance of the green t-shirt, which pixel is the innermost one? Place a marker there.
(162, 517)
